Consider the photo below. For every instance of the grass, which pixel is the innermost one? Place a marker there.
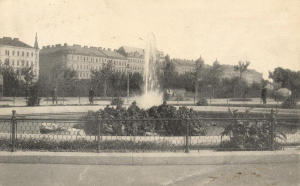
(89, 146)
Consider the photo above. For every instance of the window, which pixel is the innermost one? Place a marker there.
(13, 52)
(27, 64)
(18, 63)
(23, 62)
(13, 63)
(22, 53)
(31, 54)
(27, 54)
(18, 53)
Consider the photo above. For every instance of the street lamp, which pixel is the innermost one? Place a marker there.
(210, 88)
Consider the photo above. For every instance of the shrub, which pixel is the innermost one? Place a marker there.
(33, 98)
(289, 103)
(117, 101)
(88, 146)
(251, 135)
(202, 102)
(133, 121)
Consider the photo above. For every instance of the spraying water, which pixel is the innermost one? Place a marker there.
(151, 95)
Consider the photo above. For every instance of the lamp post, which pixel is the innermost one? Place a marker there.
(210, 88)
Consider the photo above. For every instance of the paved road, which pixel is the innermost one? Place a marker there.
(21, 101)
(233, 175)
(7, 111)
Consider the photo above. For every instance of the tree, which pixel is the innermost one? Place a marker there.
(214, 76)
(168, 73)
(287, 79)
(28, 75)
(241, 67)
(136, 82)
(11, 80)
(102, 76)
(199, 73)
(67, 82)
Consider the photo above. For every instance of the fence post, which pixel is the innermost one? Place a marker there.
(273, 123)
(187, 150)
(13, 131)
(98, 121)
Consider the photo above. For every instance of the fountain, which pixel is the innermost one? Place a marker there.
(152, 96)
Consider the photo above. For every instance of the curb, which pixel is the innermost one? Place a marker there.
(193, 158)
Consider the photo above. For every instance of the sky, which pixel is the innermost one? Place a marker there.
(264, 32)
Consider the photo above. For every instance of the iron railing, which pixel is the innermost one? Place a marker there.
(93, 133)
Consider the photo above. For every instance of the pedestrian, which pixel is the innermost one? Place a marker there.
(54, 95)
(264, 95)
(91, 96)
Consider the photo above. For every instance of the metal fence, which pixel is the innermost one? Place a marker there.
(92, 133)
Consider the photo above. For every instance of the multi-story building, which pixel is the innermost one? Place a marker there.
(19, 55)
(135, 57)
(80, 59)
(183, 65)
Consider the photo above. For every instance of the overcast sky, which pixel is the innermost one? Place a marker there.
(264, 32)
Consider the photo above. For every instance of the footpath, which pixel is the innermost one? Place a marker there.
(203, 157)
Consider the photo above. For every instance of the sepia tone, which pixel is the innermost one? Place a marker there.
(158, 92)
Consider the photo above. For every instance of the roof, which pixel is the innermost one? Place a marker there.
(77, 49)
(129, 49)
(113, 54)
(13, 42)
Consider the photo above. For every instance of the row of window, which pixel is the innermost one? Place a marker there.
(87, 74)
(18, 53)
(89, 67)
(136, 60)
(97, 59)
(22, 63)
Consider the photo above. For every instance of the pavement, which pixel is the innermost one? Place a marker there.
(173, 175)
(203, 157)
(207, 168)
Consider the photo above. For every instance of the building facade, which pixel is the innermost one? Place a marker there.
(19, 55)
(135, 57)
(80, 59)
(183, 66)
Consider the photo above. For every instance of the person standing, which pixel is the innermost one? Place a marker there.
(264, 95)
(54, 95)
(91, 96)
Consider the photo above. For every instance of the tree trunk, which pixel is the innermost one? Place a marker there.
(105, 88)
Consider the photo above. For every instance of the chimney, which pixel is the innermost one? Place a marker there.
(108, 49)
(65, 44)
(16, 39)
